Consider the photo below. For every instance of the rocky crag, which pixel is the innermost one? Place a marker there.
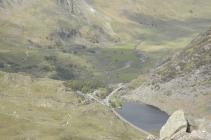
(178, 127)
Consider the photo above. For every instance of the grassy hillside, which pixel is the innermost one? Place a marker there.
(42, 109)
(48, 40)
(157, 23)
(50, 22)
(44, 43)
(104, 40)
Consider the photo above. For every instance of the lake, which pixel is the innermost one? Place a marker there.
(144, 116)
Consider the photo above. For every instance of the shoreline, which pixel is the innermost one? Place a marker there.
(129, 123)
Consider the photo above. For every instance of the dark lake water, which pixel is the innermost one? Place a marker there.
(143, 116)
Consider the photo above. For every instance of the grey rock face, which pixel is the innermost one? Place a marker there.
(150, 137)
(177, 123)
(178, 128)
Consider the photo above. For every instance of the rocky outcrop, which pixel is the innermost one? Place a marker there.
(151, 137)
(70, 6)
(178, 127)
(177, 123)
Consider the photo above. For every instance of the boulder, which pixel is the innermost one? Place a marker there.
(150, 137)
(177, 123)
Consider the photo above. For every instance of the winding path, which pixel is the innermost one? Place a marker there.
(107, 99)
(106, 103)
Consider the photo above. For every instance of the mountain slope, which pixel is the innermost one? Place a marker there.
(157, 23)
(107, 41)
(183, 81)
(44, 23)
(43, 38)
(42, 109)
(47, 39)
(65, 39)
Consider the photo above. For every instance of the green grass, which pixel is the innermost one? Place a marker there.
(116, 102)
(40, 24)
(42, 109)
(120, 63)
(83, 85)
(38, 108)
